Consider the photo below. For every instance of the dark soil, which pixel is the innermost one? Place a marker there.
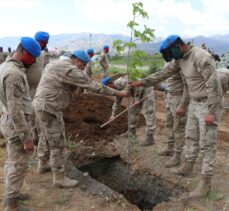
(84, 116)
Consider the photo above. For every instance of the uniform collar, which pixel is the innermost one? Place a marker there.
(190, 49)
(19, 64)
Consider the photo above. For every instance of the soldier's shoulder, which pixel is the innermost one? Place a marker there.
(9, 67)
(200, 53)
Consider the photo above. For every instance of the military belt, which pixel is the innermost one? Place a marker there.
(176, 93)
(200, 99)
(28, 117)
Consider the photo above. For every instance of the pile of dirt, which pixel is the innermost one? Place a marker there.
(84, 116)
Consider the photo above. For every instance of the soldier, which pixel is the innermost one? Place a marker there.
(35, 71)
(147, 107)
(2, 55)
(59, 79)
(16, 118)
(223, 75)
(176, 95)
(103, 60)
(205, 107)
(88, 68)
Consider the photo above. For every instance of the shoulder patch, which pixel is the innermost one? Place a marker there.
(19, 85)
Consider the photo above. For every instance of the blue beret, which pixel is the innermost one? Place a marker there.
(31, 46)
(105, 46)
(166, 43)
(90, 50)
(105, 80)
(81, 55)
(41, 36)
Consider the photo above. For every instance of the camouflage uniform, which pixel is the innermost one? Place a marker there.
(88, 68)
(223, 75)
(15, 124)
(59, 79)
(176, 95)
(34, 72)
(147, 106)
(2, 57)
(199, 71)
(224, 61)
(103, 61)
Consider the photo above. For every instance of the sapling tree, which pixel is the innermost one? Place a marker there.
(137, 35)
(134, 59)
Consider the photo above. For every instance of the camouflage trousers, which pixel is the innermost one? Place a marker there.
(105, 72)
(51, 145)
(201, 136)
(175, 124)
(16, 164)
(147, 108)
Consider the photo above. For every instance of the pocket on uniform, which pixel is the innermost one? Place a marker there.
(7, 127)
(56, 140)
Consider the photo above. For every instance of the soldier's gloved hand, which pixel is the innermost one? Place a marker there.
(135, 83)
(29, 146)
(209, 119)
(122, 94)
(180, 111)
(111, 118)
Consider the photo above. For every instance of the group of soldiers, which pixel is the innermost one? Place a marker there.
(30, 84)
(194, 103)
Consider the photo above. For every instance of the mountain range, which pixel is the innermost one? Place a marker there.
(218, 43)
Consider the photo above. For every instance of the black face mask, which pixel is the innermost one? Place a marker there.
(27, 65)
(176, 52)
(43, 48)
(171, 53)
(167, 55)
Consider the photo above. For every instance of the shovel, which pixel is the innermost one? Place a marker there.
(124, 111)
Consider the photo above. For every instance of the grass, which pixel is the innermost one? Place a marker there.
(151, 63)
(62, 199)
(213, 195)
(70, 144)
(194, 182)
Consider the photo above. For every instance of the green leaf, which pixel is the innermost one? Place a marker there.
(118, 45)
(130, 45)
(132, 24)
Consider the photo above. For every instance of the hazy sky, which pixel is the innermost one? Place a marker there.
(183, 17)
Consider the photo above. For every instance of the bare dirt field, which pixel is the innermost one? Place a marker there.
(99, 159)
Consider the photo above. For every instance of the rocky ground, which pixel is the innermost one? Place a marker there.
(103, 158)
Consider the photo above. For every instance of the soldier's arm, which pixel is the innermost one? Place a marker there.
(206, 66)
(77, 78)
(106, 65)
(46, 59)
(185, 95)
(169, 70)
(15, 88)
(101, 58)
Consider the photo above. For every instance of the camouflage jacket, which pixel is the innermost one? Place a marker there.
(136, 93)
(34, 72)
(60, 79)
(176, 85)
(223, 75)
(88, 69)
(199, 71)
(14, 94)
(103, 60)
(2, 57)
